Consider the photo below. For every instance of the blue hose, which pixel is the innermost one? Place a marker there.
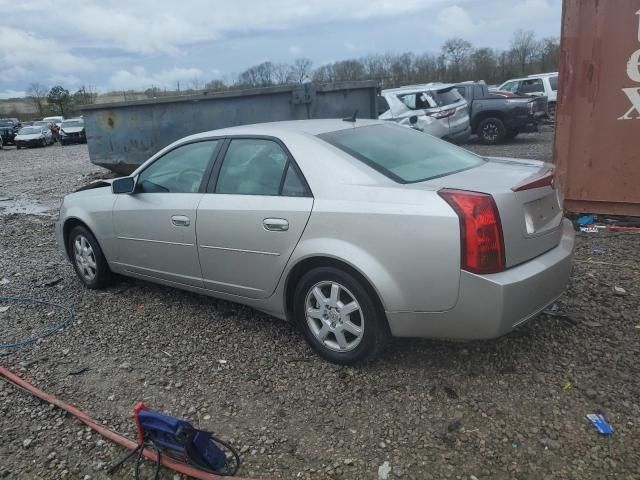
(56, 328)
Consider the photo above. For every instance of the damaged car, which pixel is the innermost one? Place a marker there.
(434, 108)
(72, 131)
(356, 230)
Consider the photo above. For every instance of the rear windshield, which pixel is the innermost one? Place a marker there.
(553, 83)
(447, 97)
(403, 154)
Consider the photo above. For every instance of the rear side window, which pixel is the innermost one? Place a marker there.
(532, 86)
(510, 86)
(553, 83)
(418, 100)
(402, 154)
(447, 97)
(258, 166)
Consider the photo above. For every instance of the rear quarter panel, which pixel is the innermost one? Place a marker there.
(405, 242)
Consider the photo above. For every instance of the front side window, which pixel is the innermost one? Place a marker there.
(401, 153)
(179, 171)
(252, 166)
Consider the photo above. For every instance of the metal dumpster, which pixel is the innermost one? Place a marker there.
(123, 135)
(598, 117)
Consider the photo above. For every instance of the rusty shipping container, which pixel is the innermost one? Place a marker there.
(597, 144)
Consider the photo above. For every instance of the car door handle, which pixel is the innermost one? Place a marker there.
(180, 221)
(276, 224)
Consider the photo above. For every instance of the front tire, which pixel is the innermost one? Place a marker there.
(88, 260)
(339, 318)
(491, 131)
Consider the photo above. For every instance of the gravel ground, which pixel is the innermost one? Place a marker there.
(501, 409)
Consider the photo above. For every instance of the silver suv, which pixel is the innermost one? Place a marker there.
(434, 108)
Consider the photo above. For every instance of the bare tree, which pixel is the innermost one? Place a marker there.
(86, 95)
(37, 95)
(524, 47)
(549, 49)
(214, 85)
(456, 52)
(348, 71)
(282, 73)
(196, 84)
(324, 74)
(301, 70)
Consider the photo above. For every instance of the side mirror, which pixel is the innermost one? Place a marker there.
(123, 185)
(413, 120)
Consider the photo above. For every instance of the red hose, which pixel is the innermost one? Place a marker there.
(105, 432)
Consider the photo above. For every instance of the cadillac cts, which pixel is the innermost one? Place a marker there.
(357, 231)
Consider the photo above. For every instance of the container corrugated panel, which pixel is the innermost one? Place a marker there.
(123, 135)
(597, 144)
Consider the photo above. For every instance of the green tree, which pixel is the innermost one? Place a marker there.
(59, 99)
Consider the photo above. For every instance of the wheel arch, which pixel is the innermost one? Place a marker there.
(307, 264)
(69, 224)
(484, 115)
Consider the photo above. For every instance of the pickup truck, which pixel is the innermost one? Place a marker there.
(499, 116)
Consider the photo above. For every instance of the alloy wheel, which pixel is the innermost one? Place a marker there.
(490, 131)
(85, 258)
(334, 316)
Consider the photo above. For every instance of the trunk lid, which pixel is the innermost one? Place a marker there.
(530, 217)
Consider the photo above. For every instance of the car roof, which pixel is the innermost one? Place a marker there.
(420, 87)
(311, 127)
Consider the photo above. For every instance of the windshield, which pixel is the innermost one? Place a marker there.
(72, 123)
(402, 154)
(30, 130)
(6, 123)
(41, 123)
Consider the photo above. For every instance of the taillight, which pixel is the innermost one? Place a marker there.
(442, 113)
(480, 230)
(532, 107)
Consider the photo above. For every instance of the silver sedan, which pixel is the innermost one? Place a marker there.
(356, 231)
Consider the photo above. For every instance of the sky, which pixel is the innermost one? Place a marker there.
(136, 44)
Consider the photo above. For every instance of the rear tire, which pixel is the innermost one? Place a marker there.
(491, 131)
(87, 259)
(339, 318)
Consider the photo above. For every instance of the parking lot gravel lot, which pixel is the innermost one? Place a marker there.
(510, 408)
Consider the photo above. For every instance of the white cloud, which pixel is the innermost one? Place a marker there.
(295, 51)
(139, 79)
(11, 94)
(352, 47)
(149, 27)
(19, 49)
(454, 21)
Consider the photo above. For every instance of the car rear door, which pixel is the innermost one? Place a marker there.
(256, 207)
(155, 227)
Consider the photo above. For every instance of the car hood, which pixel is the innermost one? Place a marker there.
(72, 129)
(31, 136)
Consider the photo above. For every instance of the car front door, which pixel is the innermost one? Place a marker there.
(252, 218)
(155, 227)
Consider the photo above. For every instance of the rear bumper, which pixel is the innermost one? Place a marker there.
(489, 306)
(459, 137)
